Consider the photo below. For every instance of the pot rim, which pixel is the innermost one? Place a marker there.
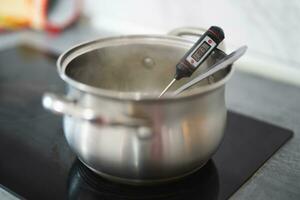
(85, 47)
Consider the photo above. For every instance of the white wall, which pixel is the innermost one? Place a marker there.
(269, 27)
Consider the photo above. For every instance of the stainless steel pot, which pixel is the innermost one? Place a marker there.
(114, 121)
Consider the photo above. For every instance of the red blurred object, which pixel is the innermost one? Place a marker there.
(64, 14)
(50, 15)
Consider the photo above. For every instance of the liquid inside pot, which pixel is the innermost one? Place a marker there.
(142, 68)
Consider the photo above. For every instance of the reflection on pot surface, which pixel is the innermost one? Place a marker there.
(85, 184)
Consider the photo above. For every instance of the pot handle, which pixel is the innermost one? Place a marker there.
(192, 31)
(62, 105)
(187, 31)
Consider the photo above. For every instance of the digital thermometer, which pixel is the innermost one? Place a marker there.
(197, 54)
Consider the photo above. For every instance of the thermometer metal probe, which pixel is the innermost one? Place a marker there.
(197, 54)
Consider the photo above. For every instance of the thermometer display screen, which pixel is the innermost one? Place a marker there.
(204, 47)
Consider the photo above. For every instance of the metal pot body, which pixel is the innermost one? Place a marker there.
(130, 136)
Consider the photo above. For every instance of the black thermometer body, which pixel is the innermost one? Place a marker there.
(199, 52)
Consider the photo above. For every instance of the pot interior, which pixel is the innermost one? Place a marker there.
(144, 66)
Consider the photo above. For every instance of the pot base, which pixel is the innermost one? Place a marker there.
(141, 181)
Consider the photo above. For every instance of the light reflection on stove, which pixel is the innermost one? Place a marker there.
(85, 184)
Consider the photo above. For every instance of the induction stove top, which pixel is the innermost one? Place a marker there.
(36, 162)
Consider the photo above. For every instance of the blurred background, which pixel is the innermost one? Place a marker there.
(269, 27)
(265, 85)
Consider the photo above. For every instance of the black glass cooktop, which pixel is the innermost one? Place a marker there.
(36, 162)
